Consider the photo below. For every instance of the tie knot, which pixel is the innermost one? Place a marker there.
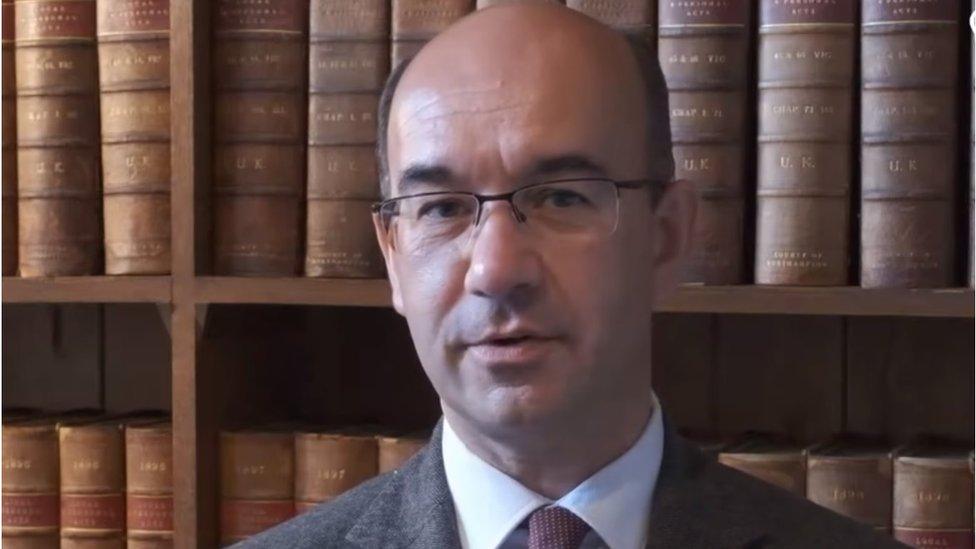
(556, 528)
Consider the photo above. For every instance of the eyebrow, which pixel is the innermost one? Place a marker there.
(420, 174)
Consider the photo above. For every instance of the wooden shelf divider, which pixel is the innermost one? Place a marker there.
(88, 289)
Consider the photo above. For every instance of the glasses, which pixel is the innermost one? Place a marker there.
(429, 223)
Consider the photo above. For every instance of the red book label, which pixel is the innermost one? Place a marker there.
(149, 513)
(943, 539)
(30, 510)
(65, 19)
(122, 16)
(243, 518)
(703, 12)
(262, 15)
(788, 12)
(102, 511)
(877, 11)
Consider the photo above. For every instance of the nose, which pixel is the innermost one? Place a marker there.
(504, 264)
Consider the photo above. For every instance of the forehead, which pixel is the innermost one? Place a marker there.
(503, 112)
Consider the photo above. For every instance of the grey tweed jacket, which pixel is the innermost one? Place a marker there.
(697, 503)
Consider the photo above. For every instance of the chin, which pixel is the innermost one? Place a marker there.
(521, 406)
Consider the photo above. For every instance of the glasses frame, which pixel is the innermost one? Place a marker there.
(377, 207)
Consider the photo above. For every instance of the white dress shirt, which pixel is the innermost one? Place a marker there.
(615, 501)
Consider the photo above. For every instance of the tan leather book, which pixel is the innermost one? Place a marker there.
(414, 22)
(852, 476)
(349, 62)
(933, 495)
(149, 485)
(770, 458)
(133, 71)
(631, 16)
(259, 75)
(8, 178)
(329, 463)
(257, 482)
(909, 105)
(704, 54)
(57, 138)
(31, 479)
(806, 74)
(92, 458)
(394, 451)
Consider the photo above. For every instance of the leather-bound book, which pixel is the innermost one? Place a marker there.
(394, 451)
(770, 458)
(909, 72)
(30, 484)
(92, 456)
(635, 17)
(348, 64)
(852, 476)
(149, 485)
(8, 179)
(257, 482)
(259, 75)
(329, 463)
(933, 495)
(133, 72)
(972, 146)
(704, 54)
(414, 22)
(806, 71)
(481, 4)
(57, 137)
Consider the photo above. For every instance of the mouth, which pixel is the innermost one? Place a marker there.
(511, 351)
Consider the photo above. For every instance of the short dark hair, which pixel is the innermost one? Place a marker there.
(658, 118)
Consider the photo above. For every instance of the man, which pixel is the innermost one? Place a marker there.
(530, 226)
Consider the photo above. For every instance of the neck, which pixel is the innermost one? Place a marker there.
(552, 459)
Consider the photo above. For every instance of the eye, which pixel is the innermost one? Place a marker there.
(444, 209)
(563, 198)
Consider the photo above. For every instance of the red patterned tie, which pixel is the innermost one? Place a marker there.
(556, 528)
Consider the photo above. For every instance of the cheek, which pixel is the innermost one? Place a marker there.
(430, 289)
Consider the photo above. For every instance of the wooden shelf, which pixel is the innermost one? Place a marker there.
(87, 289)
(837, 301)
(293, 291)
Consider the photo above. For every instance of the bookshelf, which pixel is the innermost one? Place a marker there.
(832, 326)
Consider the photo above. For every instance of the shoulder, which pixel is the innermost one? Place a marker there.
(786, 519)
(326, 524)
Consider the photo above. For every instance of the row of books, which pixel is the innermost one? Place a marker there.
(84, 479)
(295, 93)
(88, 479)
(921, 492)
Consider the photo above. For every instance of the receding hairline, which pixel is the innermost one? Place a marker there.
(658, 127)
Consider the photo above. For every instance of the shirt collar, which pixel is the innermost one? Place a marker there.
(615, 501)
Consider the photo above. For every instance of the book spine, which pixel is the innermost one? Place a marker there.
(57, 139)
(482, 4)
(395, 451)
(414, 22)
(257, 482)
(704, 56)
(805, 73)
(8, 177)
(787, 472)
(133, 70)
(856, 487)
(933, 502)
(149, 486)
(92, 461)
(30, 486)
(972, 145)
(348, 64)
(259, 127)
(326, 465)
(631, 16)
(909, 72)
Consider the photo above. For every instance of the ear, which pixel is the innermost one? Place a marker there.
(672, 230)
(383, 238)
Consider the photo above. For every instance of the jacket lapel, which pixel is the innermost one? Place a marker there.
(415, 509)
(692, 506)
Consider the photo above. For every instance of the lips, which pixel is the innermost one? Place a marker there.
(511, 349)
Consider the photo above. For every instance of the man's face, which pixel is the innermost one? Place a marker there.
(513, 328)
